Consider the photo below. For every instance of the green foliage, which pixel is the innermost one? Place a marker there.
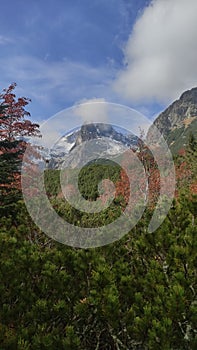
(89, 178)
(91, 175)
(191, 154)
(9, 167)
(52, 182)
(137, 293)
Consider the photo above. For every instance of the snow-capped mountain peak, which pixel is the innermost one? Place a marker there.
(109, 141)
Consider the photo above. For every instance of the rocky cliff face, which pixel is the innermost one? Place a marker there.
(179, 120)
(73, 149)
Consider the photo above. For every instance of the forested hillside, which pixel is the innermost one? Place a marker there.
(137, 293)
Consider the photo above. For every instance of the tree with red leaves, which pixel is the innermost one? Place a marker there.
(150, 188)
(14, 128)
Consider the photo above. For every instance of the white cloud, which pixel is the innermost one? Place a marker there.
(94, 110)
(86, 111)
(161, 53)
(54, 85)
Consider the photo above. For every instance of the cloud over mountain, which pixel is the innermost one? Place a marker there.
(161, 53)
(92, 110)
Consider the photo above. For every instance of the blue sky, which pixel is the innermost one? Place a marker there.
(61, 52)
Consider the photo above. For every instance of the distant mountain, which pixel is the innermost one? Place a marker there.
(73, 148)
(179, 120)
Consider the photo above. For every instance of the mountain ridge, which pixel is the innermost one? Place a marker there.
(178, 121)
(74, 148)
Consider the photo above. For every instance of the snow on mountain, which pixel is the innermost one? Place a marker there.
(73, 149)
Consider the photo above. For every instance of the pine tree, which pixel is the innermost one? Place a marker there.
(191, 152)
(13, 128)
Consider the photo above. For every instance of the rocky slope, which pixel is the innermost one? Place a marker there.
(179, 120)
(75, 148)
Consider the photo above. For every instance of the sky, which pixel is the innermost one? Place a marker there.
(139, 53)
